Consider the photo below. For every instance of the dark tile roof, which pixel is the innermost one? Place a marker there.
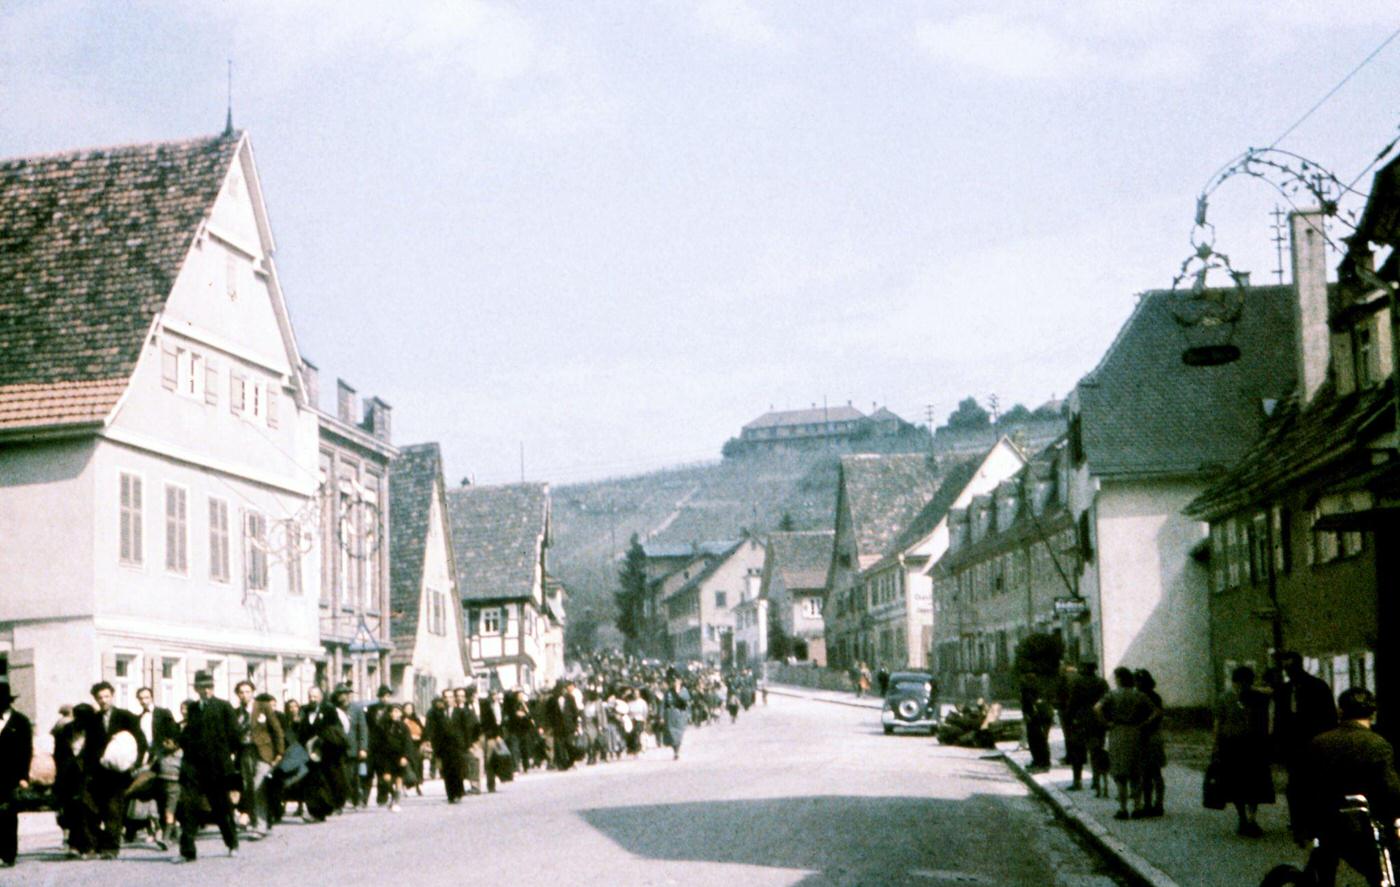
(496, 537)
(1144, 412)
(884, 493)
(955, 479)
(90, 245)
(802, 558)
(778, 418)
(411, 479)
(1331, 431)
(712, 565)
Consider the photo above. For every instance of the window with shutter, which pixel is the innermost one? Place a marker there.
(130, 517)
(169, 364)
(237, 392)
(271, 407)
(176, 530)
(218, 540)
(211, 383)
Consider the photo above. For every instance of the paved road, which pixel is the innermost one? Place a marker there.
(801, 792)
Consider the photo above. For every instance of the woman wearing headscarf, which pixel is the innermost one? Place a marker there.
(674, 705)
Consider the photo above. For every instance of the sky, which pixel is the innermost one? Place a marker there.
(611, 233)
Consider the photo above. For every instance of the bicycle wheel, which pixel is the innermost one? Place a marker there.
(1286, 876)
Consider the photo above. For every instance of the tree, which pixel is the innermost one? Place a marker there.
(1017, 413)
(631, 592)
(779, 644)
(733, 448)
(787, 524)
(969, 415)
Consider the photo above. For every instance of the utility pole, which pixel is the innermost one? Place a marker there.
(928, 415)
(1279, 239)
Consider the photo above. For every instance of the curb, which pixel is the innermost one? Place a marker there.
(1128, 859)
(795, 695)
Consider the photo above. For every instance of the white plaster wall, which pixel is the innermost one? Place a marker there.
(732, 578)
(46, 530)
(437, 655)
(66, 663)
(153, 602)
(1155, 612)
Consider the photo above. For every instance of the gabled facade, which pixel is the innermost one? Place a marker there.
(700, 610)
(1147, 434)
(795, 565)
(356, 521)
(500, 540)
(1009, 570)
(877, 497)
(668, 567)
(158, 476)
(1301, 529)
(429, 634)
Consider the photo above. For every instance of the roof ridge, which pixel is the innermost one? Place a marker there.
(123, 148)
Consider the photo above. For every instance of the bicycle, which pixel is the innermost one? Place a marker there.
(1358, 809)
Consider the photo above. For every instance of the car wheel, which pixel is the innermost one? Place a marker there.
(909, 709)
(889, 730)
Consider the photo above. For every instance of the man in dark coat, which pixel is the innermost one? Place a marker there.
(492, 714)
(448, 750)
(106, 785)
(312, 730)
(1303, 709)
(1349, 759)
(376, 717)
(467, 720)
(16, 752)
(209, 771)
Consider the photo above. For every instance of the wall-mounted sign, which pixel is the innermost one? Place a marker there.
(1071, 607)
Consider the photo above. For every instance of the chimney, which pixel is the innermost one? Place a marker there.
(345, 402)
(377, 418)
(1310, 312)
(311, 380)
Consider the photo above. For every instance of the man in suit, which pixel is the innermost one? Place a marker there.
(492, 717)
(562, 721)
(317, 794)
(352, 742)
(16, 752)
(376, 716)
(208, 774)
(448, 749)
(158, 728)
(468, 723)
(107, 786)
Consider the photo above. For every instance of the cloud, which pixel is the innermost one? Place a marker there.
(995, 44)
(739, 22)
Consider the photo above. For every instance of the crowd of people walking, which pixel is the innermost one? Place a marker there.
(244, 765)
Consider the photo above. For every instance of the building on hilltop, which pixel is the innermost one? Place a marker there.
(158, 448)
(500, 540)
(429, 632)
(839, 426)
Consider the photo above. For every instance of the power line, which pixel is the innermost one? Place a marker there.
(1334, 90)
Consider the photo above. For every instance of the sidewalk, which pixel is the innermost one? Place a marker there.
(837, 697)
(1190, 845)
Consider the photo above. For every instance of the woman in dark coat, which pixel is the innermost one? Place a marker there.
(413, 776)
(1124, 710)
(674, 707)
(1154, 748)
(1242, 749)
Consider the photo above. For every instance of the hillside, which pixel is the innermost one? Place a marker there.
(751, 491)
(593, 522)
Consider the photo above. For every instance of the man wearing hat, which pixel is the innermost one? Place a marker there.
(376, 716)
(208, 774)
(16, 750)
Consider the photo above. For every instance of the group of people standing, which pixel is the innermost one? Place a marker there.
(240, 765)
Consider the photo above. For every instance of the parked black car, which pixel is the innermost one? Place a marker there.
(911, 702)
